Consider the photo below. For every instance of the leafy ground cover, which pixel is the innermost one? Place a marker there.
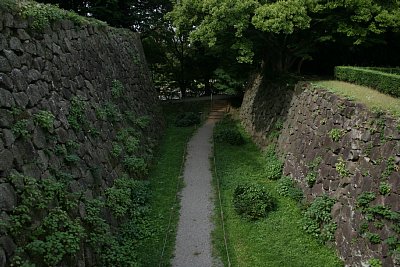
(278, 239)
(164, 181)
(368, 96)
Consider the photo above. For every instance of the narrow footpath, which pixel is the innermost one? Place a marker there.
(193, 241)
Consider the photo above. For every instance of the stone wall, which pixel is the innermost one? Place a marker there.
(65, 95)
(359, 154)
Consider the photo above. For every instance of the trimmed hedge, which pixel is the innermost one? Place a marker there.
(386, 70)
(387, 83)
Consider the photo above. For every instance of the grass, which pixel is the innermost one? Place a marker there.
(277, 240)
(165, 178)
(368, 96)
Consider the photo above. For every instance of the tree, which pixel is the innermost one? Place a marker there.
(278, 34)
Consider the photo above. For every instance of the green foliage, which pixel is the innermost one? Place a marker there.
(340, 167)
(57, 236)
(312, 174)
(375, 263)
(117, 89)
(127, 197)
(116, 150)
(7, 5)
(135, 166)
(227, 131)
(318, 220)
(286, 187)
(336, 134)
(227, 83)
(44, 119)
(109, 112)
(311, 178)
(43, 15)
(187, 119)
(364, 199)
(20, 129)
(111, 249)
(384, 82)
(390, 168)
(142, 121)
(71, 159)
(273, 165)
(76, 117)
(253, 201)
(385, 188)
(393, 242)
(373, 238)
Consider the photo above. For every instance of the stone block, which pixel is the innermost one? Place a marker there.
(14, 60)
(8, 245)
(4, 65)
(39, 138)
(19, 80)
(15, 44)
(21, 99)
(3, 258)
(23, 35)
(8, 197)
(6, 82)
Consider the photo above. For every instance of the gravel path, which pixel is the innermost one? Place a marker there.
(193, 241)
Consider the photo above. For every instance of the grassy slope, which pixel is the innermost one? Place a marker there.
(275, 241)
(164, 180)
(370, 97)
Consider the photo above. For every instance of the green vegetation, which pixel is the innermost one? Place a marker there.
(336, 134)
(165, 180)
(278, 239)
(312, 174)
(226, 131)
(20, 129)
(117, 89)
(57, 236)
(318, 220)
(340, 167)
(375, 263)
(109, 112)
(44, 119)
(286, 187)
(384, 82)
(187, 119)
(43, 15)
(369, 97)
(273, 165)
(390, 168)
(252, 201)
(76, 117)
(385, 188)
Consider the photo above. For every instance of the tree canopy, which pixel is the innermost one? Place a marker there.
(279, 34)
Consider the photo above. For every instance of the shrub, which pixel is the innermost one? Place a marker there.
(229, 135)
(273, 169)
(336, 134)
(187, 119)
(253, 201)
(341, 168)
(387, 83)
(385, 188)
(226, 130)
(318, 219)
(286, 187)
(117, 89)
(20, 129)
(375, 262)
(44, 119)
(273, 166)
